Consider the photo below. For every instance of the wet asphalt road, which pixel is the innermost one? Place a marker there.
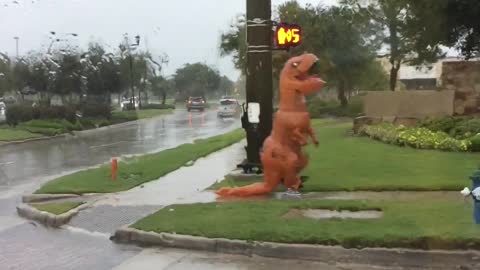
(25, 166)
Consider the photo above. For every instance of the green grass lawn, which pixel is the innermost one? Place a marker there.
(135, 171)
(425, 225)
(56, 208)
(16, 134)
(344, 162)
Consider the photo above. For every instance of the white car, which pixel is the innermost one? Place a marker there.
(126, 102)
(2, 108)
(228, 107)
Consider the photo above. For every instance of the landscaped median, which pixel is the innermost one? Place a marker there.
(347, 163)
(34, 129)
(423, 224)
(12, 134)
(51, 214)
(426, 227)
(138, 170)
(56, 208)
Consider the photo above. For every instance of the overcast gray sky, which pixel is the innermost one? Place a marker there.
(186, 30)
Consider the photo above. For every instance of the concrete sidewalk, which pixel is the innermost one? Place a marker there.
(186, 185)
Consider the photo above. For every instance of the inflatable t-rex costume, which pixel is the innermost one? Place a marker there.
(282, 156)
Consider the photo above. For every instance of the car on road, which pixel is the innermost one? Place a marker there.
(228, 107)
(126, 104)
(2, 108)
(196, 103)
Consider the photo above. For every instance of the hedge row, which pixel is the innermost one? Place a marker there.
(16, 114)
(420, 137)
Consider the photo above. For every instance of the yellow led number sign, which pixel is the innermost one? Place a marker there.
(287, 36)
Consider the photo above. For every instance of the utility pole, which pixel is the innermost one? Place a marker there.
(259, 79)
(16, 44)
(130, 58)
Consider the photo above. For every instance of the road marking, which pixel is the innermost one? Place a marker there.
(7, 163)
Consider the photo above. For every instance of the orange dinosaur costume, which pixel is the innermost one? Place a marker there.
(282, 158)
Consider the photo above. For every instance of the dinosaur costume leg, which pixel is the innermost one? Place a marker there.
(271, 181)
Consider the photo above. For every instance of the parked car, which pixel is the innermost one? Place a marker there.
(196, 103)
(228, 107)
(9, 100)
(126, 104)
(2, 108)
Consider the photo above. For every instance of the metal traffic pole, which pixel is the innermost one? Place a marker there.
(258, 113)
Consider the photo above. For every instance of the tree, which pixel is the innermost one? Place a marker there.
(225, 87)
(340, 38)
(402, 33)
(21, 76)
(5, 74)
(233, 42)
(373, 77)
(39, 81)
(344, 41)
(196, 80)
(161, 87)
(452, 23)
(68, 78)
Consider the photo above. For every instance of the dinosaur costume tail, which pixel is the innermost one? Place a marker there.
(250, 190)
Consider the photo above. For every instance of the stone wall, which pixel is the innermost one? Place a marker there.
(409, 104)
(463, 77)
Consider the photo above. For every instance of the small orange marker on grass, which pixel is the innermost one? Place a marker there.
(114, 168)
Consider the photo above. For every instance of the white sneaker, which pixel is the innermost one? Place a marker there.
(292, 192)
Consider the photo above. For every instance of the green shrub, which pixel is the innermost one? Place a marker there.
(475, 143)
(104, 123)
(320, 108)
(158, 106)
(22, 113)
(445, 124)
(457, 127)
(44, 131)
(16, 114)
(77, 126)
(44, 126)
(466, 128)
(98, 111)
(87, 123)
(421, 138)
(125, 116)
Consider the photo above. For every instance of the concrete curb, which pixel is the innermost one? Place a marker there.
(46, 197)
(48, 219)
(327, 254)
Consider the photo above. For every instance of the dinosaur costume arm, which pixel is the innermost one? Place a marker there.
(308, 86)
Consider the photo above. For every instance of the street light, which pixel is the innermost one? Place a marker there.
(137, 39)
(16, 43)
(129, 47)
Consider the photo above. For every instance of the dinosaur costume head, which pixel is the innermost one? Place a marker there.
(297, 79)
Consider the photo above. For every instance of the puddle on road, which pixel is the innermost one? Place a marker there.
(322, 214)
